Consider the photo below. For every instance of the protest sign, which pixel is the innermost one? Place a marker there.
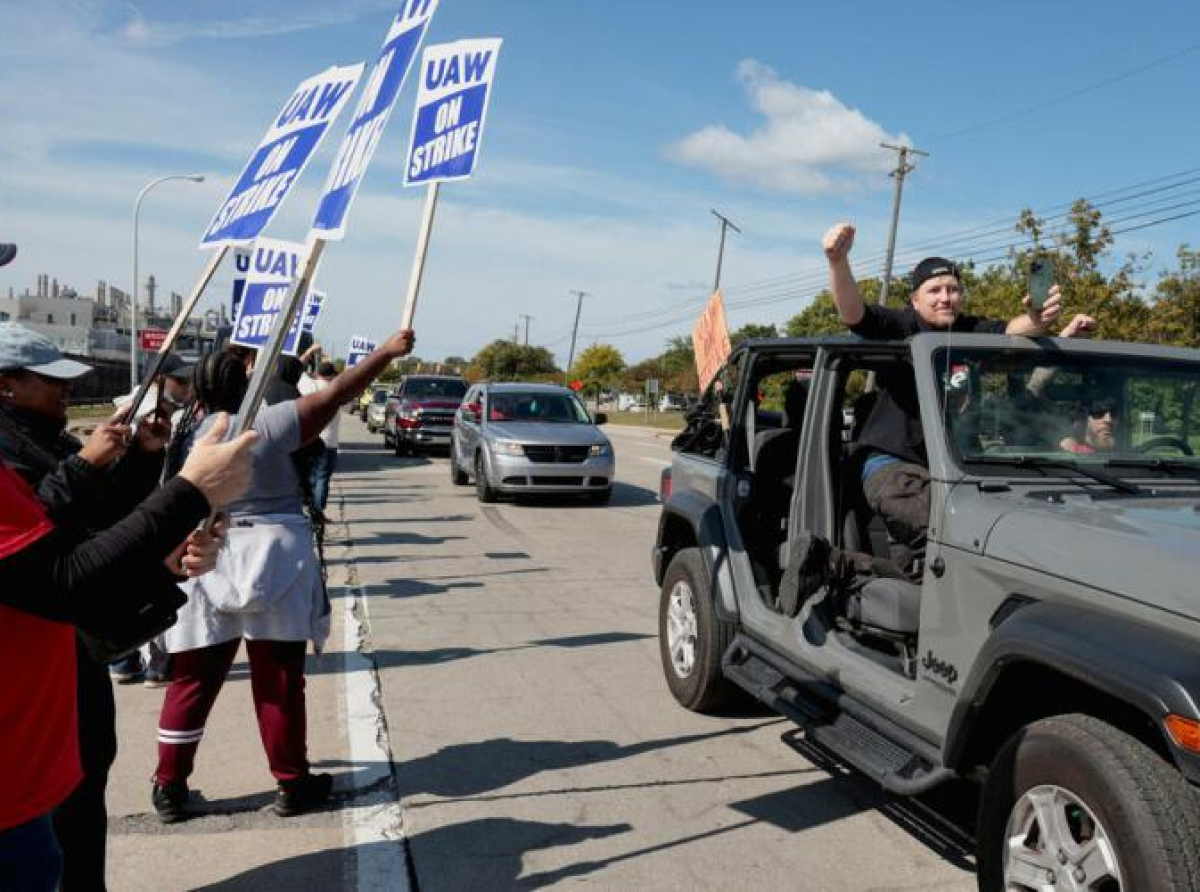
(452, 102)
(312, 310)
(374, 108)
(360, 348)
(267, 272)
(281, 155)
(710, 340)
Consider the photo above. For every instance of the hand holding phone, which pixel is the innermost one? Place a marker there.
(1041, 280)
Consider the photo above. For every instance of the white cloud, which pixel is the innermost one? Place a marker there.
(216, 25)
(811, 145)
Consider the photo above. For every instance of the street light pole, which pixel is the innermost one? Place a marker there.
(133, 295)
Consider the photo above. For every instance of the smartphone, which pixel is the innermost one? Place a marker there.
(1041, 279)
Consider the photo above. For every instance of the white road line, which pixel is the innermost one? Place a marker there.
(377, 820)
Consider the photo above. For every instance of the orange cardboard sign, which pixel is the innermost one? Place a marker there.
(710, 340)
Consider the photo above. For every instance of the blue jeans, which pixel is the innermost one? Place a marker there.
(322, 470)
(30, 860)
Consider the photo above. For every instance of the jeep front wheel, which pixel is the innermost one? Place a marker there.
(1073, 803)
(691, 637)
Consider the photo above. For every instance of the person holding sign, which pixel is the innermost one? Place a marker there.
(265, 589)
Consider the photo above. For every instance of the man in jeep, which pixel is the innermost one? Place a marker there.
(895, 475)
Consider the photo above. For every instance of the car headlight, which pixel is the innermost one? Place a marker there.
(599, 449)
(508, 447)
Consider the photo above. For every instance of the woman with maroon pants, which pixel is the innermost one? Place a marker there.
(266, 589)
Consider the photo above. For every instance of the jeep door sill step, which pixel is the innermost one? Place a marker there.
(894, 758)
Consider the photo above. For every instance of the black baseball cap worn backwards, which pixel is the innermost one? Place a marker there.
(930, 268)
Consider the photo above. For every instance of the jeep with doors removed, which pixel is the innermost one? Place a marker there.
(1046, 647)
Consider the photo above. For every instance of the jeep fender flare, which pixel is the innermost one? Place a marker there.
(702, 519)
(1149, 669)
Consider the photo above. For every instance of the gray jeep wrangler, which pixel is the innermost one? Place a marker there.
(1047, 649)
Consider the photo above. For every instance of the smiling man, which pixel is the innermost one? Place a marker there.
(895, 476)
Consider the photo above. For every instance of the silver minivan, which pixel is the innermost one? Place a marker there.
(529, 438)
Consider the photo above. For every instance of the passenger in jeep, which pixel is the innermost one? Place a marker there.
(895, 476)
(1093, 429)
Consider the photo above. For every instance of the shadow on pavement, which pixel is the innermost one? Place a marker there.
(488, 854)
(358, 461)
(469, 769)
(400, 659)
(318, 870)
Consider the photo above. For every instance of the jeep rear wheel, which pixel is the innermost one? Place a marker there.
(691, 637)
(1072, 802)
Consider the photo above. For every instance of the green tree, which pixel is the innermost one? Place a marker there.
(819, 318)
(752, 330)
(1175, 314)
(598, 366)
(505, 361)
(678, 365)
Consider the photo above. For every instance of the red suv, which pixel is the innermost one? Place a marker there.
(420, 412)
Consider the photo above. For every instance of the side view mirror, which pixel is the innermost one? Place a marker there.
(600, 418)
(471, 411)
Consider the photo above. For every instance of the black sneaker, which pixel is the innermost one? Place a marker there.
(127, 670)
(170, 801)
(302, 794)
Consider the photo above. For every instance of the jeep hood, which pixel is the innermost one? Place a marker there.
(1147, 549)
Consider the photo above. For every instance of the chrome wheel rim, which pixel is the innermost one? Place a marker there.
(681, 629)
(1053, 840)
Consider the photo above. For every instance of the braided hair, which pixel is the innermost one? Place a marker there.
(220, 382)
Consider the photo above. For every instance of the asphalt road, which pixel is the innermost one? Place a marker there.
(536, 744)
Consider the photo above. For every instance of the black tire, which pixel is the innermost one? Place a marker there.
(600, 496)
(458, 476)
(401, 447)
(697, 684)
(483, 490)
(1140, 803)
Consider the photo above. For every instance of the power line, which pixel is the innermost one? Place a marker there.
(1073, 94)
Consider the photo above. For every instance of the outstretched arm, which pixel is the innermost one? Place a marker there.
(317, 409)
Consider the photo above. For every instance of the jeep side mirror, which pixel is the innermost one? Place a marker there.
(600, 418)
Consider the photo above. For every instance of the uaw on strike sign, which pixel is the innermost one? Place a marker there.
(452, 101)
(374, 109)
(281, 156)
(360, 348)
(265, 273)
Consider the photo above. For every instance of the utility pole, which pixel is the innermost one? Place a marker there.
(903, 168)
(526, 318)
(579, 296)
(726, 223)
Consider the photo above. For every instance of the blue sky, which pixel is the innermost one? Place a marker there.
(614, 128)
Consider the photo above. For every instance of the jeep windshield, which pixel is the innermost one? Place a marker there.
(542, 408)
(1105, 416)
(434, 389)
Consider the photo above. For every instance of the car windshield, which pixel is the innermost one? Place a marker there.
(434, 388)
(554, 408)
(380, 396)
(1026, 412)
